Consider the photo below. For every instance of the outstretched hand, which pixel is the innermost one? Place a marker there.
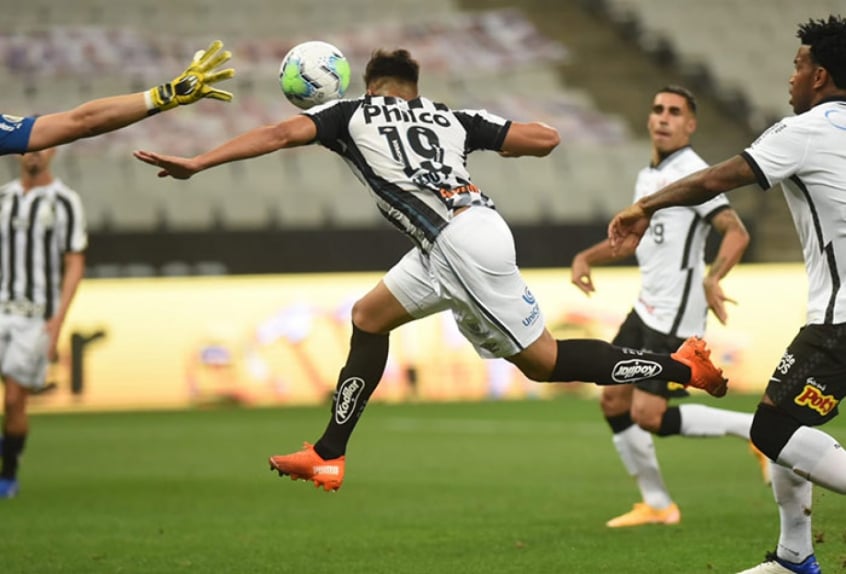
(195, 82)
(172, 166)
(627, 228)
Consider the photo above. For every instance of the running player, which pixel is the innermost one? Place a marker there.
(32, 133)
(411, 152)
(672, 304)
(806, 153)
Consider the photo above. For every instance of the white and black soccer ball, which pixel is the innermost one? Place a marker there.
(314, 73)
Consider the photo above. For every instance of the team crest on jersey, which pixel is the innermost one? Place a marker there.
(813, 398)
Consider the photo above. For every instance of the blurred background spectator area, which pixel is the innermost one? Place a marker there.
(589, 68)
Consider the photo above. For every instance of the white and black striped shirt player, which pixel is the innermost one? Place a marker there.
(412, 156)
(424, 176)
(671, 255)
(807, 155)
(36, 229)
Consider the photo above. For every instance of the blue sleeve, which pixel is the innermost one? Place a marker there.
(14, 133)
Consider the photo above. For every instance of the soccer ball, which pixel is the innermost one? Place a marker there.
(313, 73)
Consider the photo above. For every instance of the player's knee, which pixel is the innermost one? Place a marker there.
(647, 419)
(615, 400)
(771, 429)
(535, 371)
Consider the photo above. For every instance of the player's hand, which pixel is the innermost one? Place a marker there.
(195, 82)
(717, 299)
(580, 275)
(627, 228)
(172, 166)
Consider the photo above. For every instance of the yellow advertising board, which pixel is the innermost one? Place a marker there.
(273, 340)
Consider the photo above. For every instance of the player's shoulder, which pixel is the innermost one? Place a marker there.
(339, 105)
(61, 190)
(10, 187)
(683, 161)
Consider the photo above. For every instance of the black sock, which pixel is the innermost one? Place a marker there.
(595, 361)
(357, 381)
(670, 422)
(619, 423)
(13, 446)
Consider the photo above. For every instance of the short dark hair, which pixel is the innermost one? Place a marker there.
(392, 64)
(683, 92)
(827, 39)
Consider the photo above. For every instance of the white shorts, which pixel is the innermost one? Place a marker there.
(472, 270)
(23, 350)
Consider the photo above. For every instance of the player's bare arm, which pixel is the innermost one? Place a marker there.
(295, 131)
(533, 138)
(598, 254)
(74, 264)
(629, 225)
(107, 114)
(735, 239)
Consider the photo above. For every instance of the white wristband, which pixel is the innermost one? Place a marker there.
(148, 100)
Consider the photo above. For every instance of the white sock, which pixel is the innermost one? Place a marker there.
(638, 455)
(815, 455)
(793, 496)
(702, 421)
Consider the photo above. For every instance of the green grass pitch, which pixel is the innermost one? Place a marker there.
(497, 487)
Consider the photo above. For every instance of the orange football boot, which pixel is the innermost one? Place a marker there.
(642, 514)
(704, 374)
(308, 465)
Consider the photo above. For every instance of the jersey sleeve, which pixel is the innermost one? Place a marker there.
(712, 207)
(332, 121)
(75, 234)
(484, 130)
(778, 152)
(14, 133)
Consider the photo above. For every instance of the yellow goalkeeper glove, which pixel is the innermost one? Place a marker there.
(194, 83)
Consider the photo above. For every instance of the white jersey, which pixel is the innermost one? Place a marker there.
(671, 255)
(36, 229)
(807, 155)
(412, 155)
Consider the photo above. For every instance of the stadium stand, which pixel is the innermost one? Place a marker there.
(568, 63)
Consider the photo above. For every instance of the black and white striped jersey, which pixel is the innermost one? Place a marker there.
(36, 229)
(412, 155)
(671, 255)
(807, 155)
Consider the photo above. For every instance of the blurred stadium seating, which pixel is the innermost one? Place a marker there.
(475, 54)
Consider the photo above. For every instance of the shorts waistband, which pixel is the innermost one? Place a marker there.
(22, 308)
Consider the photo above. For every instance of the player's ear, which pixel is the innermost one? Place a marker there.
(691, 125)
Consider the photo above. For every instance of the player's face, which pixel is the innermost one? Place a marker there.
(671, 123)
(802, 80)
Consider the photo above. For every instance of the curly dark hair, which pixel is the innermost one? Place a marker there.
(392, 64)
(827, 39)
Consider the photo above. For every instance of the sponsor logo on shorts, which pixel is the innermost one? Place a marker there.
(635, 370)
(813, 398)
(348, 394)
(528, 297)
(787, 361)
(532, 317)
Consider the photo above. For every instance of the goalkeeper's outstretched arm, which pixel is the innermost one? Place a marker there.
(111, 113)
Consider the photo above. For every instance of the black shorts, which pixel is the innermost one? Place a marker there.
(634, 334)
(810, 379)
